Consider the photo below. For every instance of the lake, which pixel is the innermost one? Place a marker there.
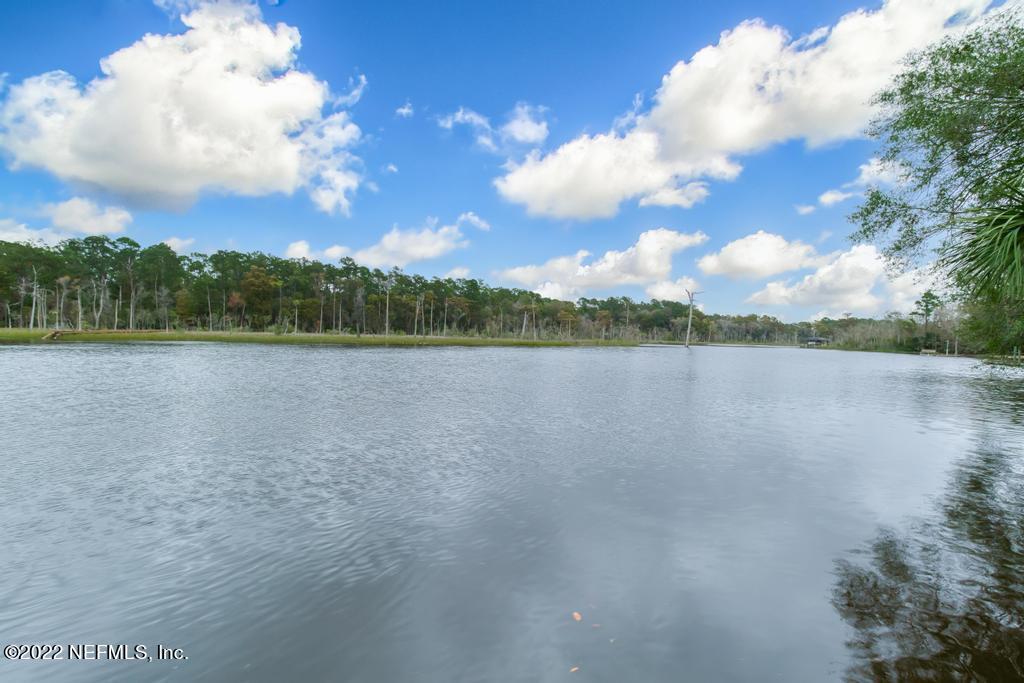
(440, 514)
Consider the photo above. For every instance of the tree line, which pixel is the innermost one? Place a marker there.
(102, 283)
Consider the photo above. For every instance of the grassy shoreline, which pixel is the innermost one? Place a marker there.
(24, 336)
(10, 336)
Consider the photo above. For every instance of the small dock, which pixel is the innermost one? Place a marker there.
(815, 342)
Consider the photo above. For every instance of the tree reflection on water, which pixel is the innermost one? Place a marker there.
(946, 601)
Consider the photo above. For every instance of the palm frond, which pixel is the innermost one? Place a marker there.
(987, 257)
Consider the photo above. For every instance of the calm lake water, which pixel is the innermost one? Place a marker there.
(376, 515)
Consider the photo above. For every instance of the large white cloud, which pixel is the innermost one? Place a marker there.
(69, 219)
(845, 284)
(590, 176)
(854, 281)
(83, 215)
(399, 247)
(12, 231)
(672, 290)
(759, 255)
(221, 107)
(647, 261)
(756, 87)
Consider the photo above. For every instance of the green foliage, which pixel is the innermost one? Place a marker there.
(987, 256)
(155, 289)
(951, 123)
(926, 306)
(258, 289)
(994, 325)
(120, 285)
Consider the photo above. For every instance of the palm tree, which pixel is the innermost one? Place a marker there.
(988, 256)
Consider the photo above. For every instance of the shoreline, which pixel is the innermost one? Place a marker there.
(994, 360)
(49, 336)
(24, 336)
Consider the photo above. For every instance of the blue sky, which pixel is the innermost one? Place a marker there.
(672, 142)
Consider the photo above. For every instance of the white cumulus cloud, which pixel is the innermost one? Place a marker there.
(526, 125)
(300, 249)
(69, 219)
(457, 273)
(647, 261)
(830, 197)
(854, 281)
(12, 231)
(478, 123)
(672, 290)
(685, 196)
(405, 111)
(402, 247)
(399, 247)
(876, 172)
(221, 107)
(759, 255)
(83, 215)
(474, 220)
(336, 251)
(590, 176)
(873, 173)
(179, 244)
(756, 87)
(844, 284)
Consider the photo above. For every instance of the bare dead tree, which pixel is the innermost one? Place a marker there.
(689, 320)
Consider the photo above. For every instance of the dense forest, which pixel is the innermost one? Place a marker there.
(99, 283)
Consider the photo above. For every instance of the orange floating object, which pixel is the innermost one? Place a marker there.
(574, 669)
(577, 616)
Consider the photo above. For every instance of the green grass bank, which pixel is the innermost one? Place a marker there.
(25, 336)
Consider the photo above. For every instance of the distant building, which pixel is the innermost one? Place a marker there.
(816, 341)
